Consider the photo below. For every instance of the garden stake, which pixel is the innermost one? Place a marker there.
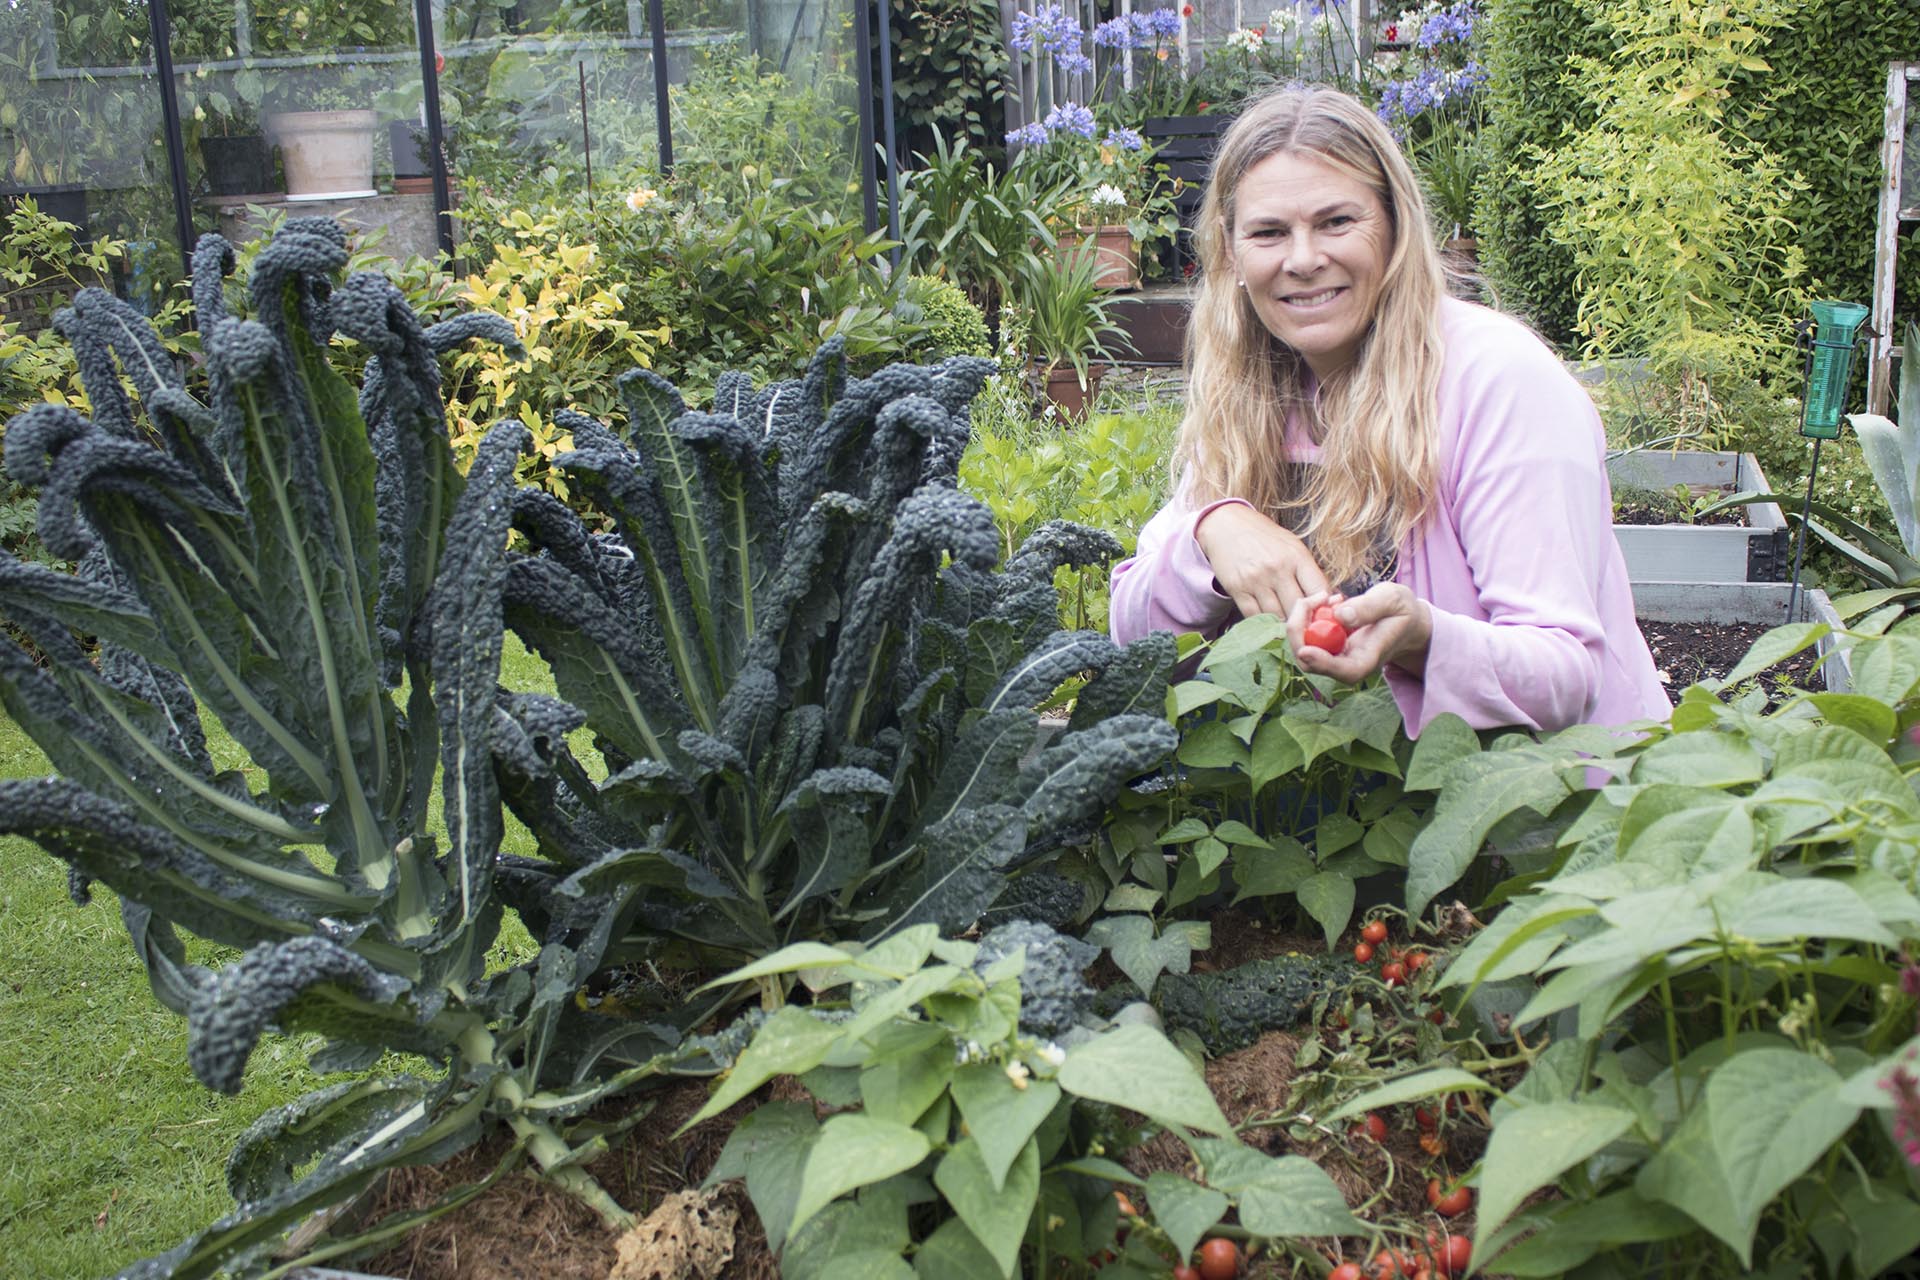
(1829, 338)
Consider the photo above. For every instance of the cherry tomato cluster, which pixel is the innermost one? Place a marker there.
(1399, 966)
(1324, 631)
(1444, 1256)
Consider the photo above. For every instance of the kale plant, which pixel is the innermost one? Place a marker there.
(814, 698)
(289, 558)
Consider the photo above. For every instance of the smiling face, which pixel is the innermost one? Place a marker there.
(1311, 244)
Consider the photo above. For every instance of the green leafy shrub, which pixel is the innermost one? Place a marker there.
(948, 64)
(1815, 108)
(755, 282)
(1677, 224)
(955, 327)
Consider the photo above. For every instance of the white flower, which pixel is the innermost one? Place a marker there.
(1245, 38)
(1106, 195)
(1051, 1054)
(640, 197)
(1018, 1073)
(1282, 20)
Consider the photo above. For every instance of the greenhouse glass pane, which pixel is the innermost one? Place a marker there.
(764, 98)
(512, 94)
(292, 108)
(80, 131)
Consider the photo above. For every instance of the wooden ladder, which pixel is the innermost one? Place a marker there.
(1899, 205)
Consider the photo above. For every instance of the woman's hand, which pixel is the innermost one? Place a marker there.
(1387, 623)
(1262, 567)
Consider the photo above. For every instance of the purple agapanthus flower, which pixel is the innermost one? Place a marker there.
(1049, 29)
(1029, 135)
(1451, 25)
(1117, 33)
(1069, 117)
(1124, 139)
(1156, 24)
(1073, 63)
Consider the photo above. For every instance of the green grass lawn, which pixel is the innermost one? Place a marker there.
(110, 1150)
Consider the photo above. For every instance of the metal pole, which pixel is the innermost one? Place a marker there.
(1800, 542)
(436, 126)
(170, 121)
(886, 120)
(863, 58)
(586, 135)
(662, 108)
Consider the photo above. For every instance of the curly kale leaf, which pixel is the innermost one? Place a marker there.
(313, 983)
(1054, 994)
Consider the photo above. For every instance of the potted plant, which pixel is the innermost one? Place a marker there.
(1070, 325)
(324, 130)
(232, 144)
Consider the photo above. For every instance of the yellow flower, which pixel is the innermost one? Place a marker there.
(640, 197)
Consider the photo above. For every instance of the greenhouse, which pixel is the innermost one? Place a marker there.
(960, 639)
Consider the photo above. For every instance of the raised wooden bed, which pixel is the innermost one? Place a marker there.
(1764, 603)
(1759, 552)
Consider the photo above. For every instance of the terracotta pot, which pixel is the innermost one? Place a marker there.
(1063, 388)
(1113, 245)
(1465, 248)
(328, 155)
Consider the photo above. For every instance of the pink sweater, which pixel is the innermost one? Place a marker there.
(1533, 620)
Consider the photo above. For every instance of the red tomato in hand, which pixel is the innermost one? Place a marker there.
(1375, 932)
(1326, 633)
(1219, 1259)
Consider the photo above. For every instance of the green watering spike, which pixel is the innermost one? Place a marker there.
(1835, 327)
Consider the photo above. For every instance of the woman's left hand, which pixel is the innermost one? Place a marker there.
(1387, 623)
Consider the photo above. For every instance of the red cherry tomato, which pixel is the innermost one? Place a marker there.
(1390, 1264)
(1417, 960)
(1394, 973)
(1448, 1204)
(1376, 1127)
(1345, 1271)
(1363, 953)
(1325, 633)
(1451, 1254)
(1375, 932)
(1425, 1119)
(1219, 1259)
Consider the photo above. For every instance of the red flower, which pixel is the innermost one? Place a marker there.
(1203, 107)
(1186, 11)
(439, 63)
(1393, 32)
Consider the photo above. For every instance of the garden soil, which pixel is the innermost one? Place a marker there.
(1687, 652)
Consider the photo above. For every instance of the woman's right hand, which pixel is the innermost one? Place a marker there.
(1260, 566)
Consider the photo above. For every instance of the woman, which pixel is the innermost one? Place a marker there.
(1355, 436)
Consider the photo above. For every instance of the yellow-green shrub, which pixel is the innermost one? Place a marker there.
(567, 311)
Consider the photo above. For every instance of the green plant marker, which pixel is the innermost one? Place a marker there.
(1836, 324)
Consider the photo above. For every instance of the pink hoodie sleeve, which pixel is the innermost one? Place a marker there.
(1517, 559)
(1167, 584)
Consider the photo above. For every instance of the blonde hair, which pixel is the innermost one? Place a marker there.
(1377, 422)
